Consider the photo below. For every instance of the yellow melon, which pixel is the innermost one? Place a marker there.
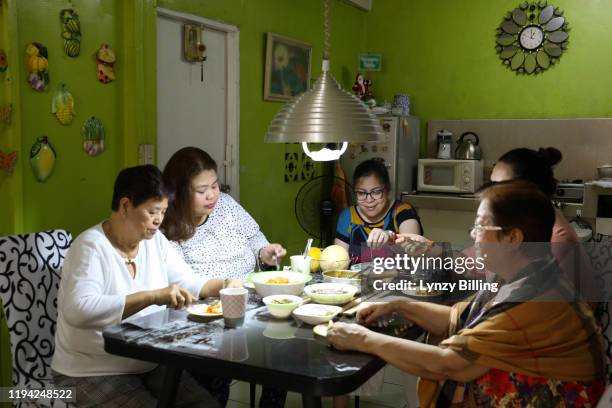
(334, 257)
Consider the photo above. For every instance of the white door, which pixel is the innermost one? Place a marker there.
(197, 105)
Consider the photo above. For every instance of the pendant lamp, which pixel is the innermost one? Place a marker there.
(325, 114)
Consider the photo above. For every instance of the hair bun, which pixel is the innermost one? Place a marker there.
(551, 155)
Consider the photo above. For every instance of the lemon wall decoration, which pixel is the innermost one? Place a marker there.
(42, 158)
(532, 37)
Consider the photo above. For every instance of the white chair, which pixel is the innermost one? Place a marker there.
(30, 266)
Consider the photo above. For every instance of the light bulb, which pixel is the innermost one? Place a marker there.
(325, 154)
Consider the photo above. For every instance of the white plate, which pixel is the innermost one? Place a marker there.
(200, 311)
(316, 314)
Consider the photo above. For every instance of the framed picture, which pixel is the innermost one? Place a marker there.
(287, 67)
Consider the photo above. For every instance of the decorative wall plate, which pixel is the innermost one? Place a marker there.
(62, 105)
(37, 65)
(532, 37)
(93, 136)
(7, 161)
(42, 158)
(71, 32)
(3, 60)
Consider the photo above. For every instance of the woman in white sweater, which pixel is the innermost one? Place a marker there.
(121, 268)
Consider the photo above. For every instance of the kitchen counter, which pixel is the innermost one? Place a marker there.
(447, 217)
(464, 202)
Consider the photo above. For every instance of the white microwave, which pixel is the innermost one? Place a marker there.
(449, 176)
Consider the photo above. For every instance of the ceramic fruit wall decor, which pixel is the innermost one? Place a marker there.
(93, 136)
(7, 161)
(3, 60)
(37, 64)
(62, 105)
(71, 32)
(105, 59)
(42, 158)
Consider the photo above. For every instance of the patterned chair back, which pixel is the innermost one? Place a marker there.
(30, 266)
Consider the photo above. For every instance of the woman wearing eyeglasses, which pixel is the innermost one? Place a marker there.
(370, 223)
(376, 214)
(528, 344)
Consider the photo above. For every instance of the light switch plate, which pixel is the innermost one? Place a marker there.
(146, 154)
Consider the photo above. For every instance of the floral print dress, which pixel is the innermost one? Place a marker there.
(499, 388)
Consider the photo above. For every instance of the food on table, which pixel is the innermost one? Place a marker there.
(216, 308)
(279, 280)
(329, 291)
(334, 257)
(206, 309)
(343, 274)
(315, 254)
(282, 301)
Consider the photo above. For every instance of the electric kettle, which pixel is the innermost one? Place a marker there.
(445, 142)
(468, 149)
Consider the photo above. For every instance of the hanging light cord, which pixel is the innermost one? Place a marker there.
(326, 29)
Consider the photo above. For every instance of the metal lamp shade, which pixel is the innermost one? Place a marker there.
(325, 114)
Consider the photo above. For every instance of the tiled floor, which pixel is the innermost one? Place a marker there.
(393, 395)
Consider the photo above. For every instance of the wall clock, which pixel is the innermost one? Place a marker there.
(532, 37)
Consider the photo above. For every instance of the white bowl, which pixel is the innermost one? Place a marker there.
(330, 293)
(316, 314)
(295, 285)
(282, 310)
(347, 277)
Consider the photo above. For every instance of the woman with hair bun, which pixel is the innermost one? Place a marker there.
(536, 166)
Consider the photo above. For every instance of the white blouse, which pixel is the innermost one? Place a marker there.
(226, 245)
(95, 282)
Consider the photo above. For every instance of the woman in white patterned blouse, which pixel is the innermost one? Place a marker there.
(215, 236)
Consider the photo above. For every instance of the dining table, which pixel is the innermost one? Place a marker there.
(283, 354)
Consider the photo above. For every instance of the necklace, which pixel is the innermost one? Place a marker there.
(129, 261)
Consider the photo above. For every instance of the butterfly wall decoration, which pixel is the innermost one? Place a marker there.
(7, 161)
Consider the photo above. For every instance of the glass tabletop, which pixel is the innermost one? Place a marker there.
(284, 346)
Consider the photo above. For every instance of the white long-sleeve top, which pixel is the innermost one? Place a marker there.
(94, 284)
(226, 245)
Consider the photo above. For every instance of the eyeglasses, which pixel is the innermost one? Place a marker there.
(475, 229)
(376, 194)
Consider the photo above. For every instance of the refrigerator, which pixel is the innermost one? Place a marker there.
(399, 152)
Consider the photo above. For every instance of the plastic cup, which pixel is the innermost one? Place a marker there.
(233, 303)
(301, 263)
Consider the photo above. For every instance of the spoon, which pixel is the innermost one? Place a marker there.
(307, 249)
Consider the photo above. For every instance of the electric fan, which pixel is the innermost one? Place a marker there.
(318, 204)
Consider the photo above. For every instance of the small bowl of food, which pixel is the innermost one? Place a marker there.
(316, 314)
(345, 276)
(330, 293)
(281, 306)
(279, 283)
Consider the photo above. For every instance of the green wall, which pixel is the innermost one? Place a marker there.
(263, 191)
(442, 53)
(78, 192)
(77, 195)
